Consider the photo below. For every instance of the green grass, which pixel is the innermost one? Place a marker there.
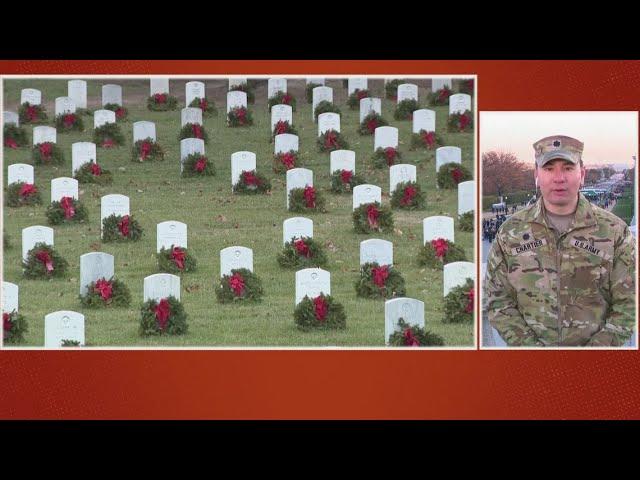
(624, 206)
(216, 219)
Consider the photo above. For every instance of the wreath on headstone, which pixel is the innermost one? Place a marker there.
(321, 312)
(120, 228)
(460, 122)
(331, 140)
(306, 199)
(176, 260)
(66, 210)
(404, 109)
(91, 172)
(438, 252)
(164, 317)
(21, 194)
(239, 286)
(14, 326)
(121, 112)
(162, 102)
(108, 135)
(47, 153)
(354, 99)
(344, 181)
(14, 136)
(451, 174)
(466, 86)
(413, 336)
(281, 127)
(325, 106)
(146, 150)
(372, 217)
(105, 293)
(66, 122)
(43, 262)
(426, 140)
(465, 221)
(440, 97)
(284, 161)
(197, 165)
(370, 123)
(251, 96)
(385, 157)
(458, 304)
(193, 130)
(208, 108)
(28, 113)
(251, 183)
(239, 117)
(408, 196)
(281, 98)
(70, 343)
(303, 252)
(308, 91)
(380, 281)
(391, 88)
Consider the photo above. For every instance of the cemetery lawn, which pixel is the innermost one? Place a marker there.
(217, 219)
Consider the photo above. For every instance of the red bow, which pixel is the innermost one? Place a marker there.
(441, 246)
(390, 154)
(236, 282)
(470, 295)
(302, 248)
(249, 178)
(456, 173)
(108, 143)
(160, 98)
(346, 176)
(281, 127)
(123, 226)
(6, 321)
(372, 125)
(286, 99)
(104, 288)
(32, 113)
(289, 160)
(443, 94)
(320, 308)
(380, 275)
(95, 169)
(241, 114)
(331, 139)
(67, 205)
(372, 216)
(145, 150)
(409, 193)
(470, 85)
(163, 312)
(177, 255)
(45, 258)
(68, 120)
(197, 130)
(429, 139)
(120, 112)
(200, 164)
(410, 339)
(362, 94)
(203, 104)
(465, 120)
(10, 142)
(45, 150)
(28, 189)
(310, 196)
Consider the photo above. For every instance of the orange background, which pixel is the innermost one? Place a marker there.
(344, 384)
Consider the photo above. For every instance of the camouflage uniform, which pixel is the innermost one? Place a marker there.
(574, 290)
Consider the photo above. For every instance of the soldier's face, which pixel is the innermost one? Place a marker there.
(559, 182)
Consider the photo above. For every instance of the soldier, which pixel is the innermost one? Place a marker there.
(562, 271)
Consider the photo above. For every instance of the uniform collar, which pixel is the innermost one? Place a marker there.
(584, 216)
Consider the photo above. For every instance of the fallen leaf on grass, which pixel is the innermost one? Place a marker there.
(397, 231)
(192, 288)
(331, 246)
(221, 218)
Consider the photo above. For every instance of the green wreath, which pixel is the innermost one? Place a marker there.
(151, 323)
(344, 181)
(404, 109)
(67, 122)
(14, 136)
(162, 102)
(448, 254)
(32, 114)
(466, 86)
(354, 99)
(239, 117)
(408, 196)
(460, 122)
(56, 213)
(242, 285)
(43, 262)
(391, 88)
(299, 203)
(121, 112)
(171, 259)
(303, 252)
(390, 283)
(91, 172)
(426, 140)
(330, 141)
(325, 107)
(14, 327)
(197, 165)
(385, 157)
(251, 183)
(208, 108)
(281, 98)
(284, 161)
(116, 294)
(321, 313)
(451, 174)
(282, 127)
(440, 97)
(372, 217)
(370, 123)
(111, 232)
(465, 221)
(146, 150)
(458, 304)
(47, 153)
(194, 130)
(108, 135)
(20, 194)
(408, 335)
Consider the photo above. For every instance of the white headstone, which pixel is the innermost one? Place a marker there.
(233, 258)
(409, 309)
(342, 160)
(236, 99)
(320, 94)
(437, 227)
(385, 137)
(317, 81)
(171, 233)
(93, 267)
(275, 85)
(311, 282)
(191, 115)
(114, 204)
(111, 94)
(376, 251)
(43, 134)
(366, 194)
(31, 96)
(286, 142)
(194, 90)
(281, 113)
(354, 84)
(11, 117)
(81, 153)
(368, 105)
(459, 103)
(189, 146)
(20, 172)
(77, 90)
(424, 119)
(33, 235)
(296, 227)
(402, 172)
(241, 162)
(158, 85)
(144, 130)
(440, 83)
(456, 274)
(9, 297)
(161, 285)
(328, 121)
(102, 117)
(63, 325)
(65, 105)
(238, 81)
(298, 178)
(407, 91)
(447, 155)
(466, 196)
(64, 187)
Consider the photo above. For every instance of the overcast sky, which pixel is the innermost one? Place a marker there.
(608, 137)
